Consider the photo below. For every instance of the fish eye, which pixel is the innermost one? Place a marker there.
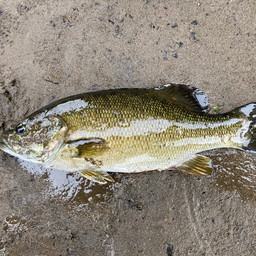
(20, 129)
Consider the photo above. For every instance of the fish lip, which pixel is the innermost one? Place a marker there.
(4, 144)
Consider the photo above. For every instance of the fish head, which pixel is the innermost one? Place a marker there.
(36, 140)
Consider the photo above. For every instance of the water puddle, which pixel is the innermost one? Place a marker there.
(73, 187)
(234, 171)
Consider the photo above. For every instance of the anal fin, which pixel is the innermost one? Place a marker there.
(97, 176)
(197, 165)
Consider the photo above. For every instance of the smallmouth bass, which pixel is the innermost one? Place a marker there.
(129, 130)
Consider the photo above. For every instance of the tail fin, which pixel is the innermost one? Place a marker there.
(249, 111)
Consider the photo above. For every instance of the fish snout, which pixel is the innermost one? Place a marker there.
(3, 144)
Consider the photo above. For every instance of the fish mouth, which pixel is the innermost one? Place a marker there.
(3, 144)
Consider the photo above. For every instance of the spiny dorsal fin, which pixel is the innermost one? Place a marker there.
(189, 97)
(198, 165)
(97, 176)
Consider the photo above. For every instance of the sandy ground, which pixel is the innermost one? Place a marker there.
(50, 49)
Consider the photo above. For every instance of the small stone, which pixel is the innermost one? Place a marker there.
(193, 35)
(194, 22)
(175, 55)
(180, 44)
(170, 250)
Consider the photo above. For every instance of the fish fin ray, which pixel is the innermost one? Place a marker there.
(197, 165)
(97, 176)
(85, 148)
(249, 112)
(189, 97)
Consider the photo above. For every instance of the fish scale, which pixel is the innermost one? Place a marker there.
(129, 130)
(102, 121)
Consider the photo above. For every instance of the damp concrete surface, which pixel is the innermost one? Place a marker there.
(53, 49)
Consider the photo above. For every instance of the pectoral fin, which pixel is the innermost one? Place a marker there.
(97, 176)
(198, 165)
(90, 148)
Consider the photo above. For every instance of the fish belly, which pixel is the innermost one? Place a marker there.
(139, 153)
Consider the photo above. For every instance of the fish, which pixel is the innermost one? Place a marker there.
(130, 131)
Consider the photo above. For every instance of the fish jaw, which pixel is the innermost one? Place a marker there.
(8, 149)
(5, 146)
(2, 144)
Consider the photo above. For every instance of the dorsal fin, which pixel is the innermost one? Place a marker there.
(189, 97)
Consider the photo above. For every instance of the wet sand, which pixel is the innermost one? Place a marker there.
(53, 49)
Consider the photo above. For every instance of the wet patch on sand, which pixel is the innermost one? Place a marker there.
(72, 187)
(234, 170)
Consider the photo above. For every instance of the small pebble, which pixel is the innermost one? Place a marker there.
(194, 22)
(193, 35)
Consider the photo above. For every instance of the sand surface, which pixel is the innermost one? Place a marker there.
(50, 49)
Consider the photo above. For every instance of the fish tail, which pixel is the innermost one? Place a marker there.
(249, 111)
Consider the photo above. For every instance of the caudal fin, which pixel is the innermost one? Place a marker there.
(249, 111)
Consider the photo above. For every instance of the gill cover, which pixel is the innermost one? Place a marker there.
(37, 140)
